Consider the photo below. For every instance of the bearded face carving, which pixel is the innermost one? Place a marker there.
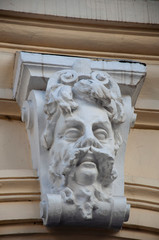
(78, 124)
(83, 116)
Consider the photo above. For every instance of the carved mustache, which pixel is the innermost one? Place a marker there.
(103, 159)
(93, 154)
(70, 160)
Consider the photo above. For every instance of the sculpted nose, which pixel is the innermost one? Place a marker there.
(89, 140)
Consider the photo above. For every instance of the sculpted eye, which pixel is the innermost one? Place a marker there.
(100, 134)
(72, 134)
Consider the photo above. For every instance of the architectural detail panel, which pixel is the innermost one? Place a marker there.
(78, 123)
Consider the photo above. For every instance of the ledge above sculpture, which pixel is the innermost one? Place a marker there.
(78, 113)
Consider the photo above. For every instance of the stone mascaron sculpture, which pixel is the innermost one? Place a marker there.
(78, 130)
(84, 112)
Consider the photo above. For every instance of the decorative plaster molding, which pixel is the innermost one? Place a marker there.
(33, 70)
(78, 123)
(80, 39)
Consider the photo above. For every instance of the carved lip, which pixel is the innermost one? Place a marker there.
(88, 164)
(88, 158)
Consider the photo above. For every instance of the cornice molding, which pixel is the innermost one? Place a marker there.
(87, 25)
(147, 119)
(32, 71)
(9, 109)
(11, 47)
(79, 38)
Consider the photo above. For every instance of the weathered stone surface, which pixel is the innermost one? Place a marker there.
(78, 131)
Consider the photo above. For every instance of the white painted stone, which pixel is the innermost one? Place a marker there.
(33, 70)
(78, 129)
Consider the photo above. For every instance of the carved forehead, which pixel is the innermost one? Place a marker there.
(86, 114)
(90, 110)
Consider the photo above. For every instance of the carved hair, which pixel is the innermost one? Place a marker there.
(66, 85)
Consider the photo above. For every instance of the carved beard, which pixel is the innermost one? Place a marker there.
(64, 164)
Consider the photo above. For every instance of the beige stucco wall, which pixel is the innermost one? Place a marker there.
(19, 191)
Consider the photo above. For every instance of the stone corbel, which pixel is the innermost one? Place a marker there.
(78, 113)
